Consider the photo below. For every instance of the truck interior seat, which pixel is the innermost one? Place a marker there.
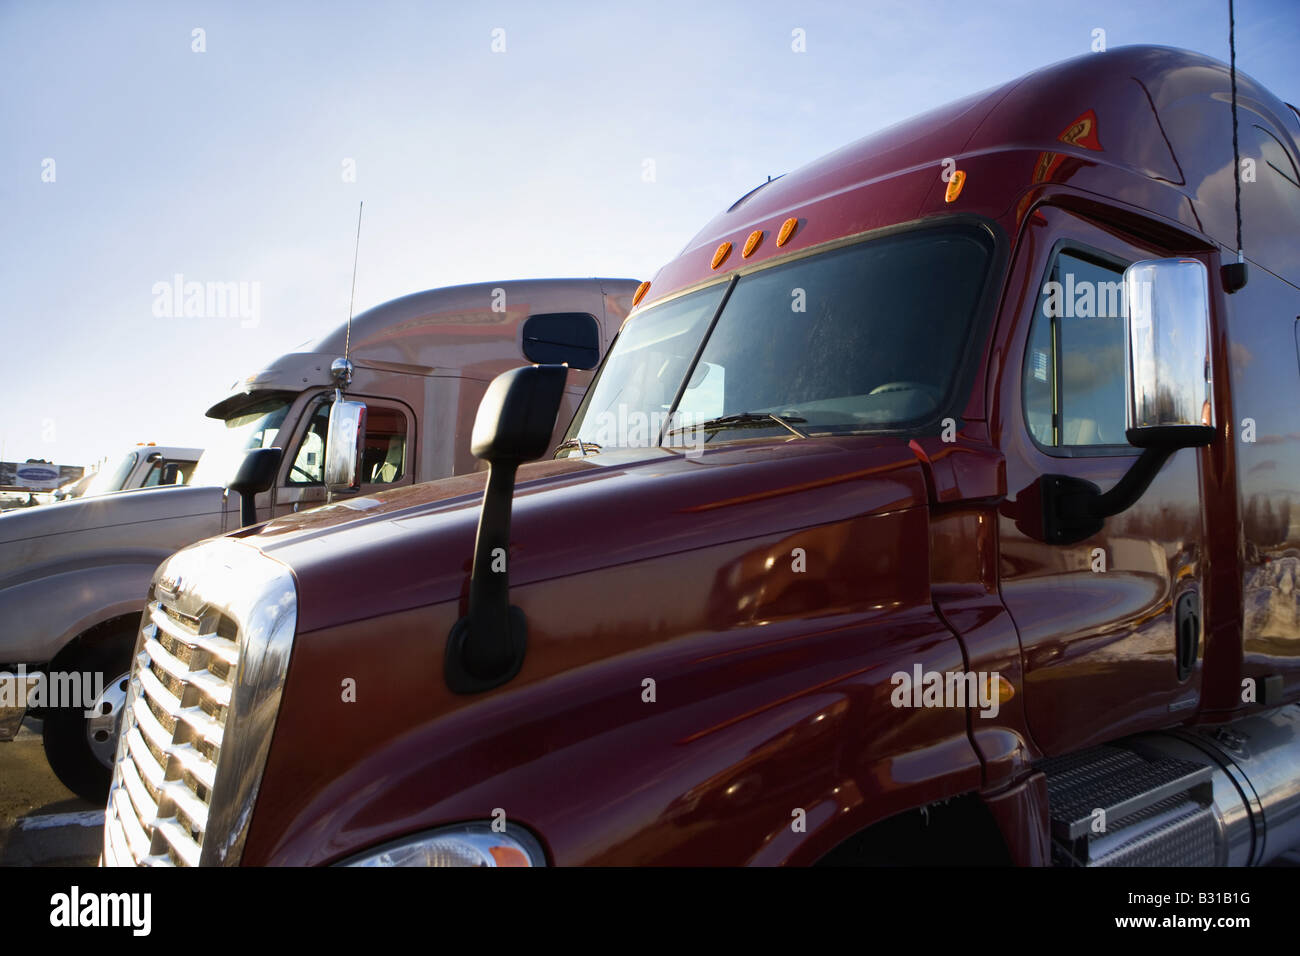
(1080, 431)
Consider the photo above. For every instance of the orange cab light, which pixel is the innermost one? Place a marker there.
(787, 231)
(751, 243)
(641, 290)
(720, 256)
(954, 185)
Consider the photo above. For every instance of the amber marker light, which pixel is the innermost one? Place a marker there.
(954, 186)
(508, 856)
(641, 290)
(751, 243)
(720, 256)
(1002, 686)
(787, 232)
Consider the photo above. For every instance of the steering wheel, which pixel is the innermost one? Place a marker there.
(307, 478)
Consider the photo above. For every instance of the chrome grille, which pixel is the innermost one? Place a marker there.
(209, 671)
(172, 732)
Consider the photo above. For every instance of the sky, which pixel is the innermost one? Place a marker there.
(489, 141)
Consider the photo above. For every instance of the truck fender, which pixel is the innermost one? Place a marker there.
(44, 614)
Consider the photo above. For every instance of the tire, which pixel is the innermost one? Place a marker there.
(67, 731)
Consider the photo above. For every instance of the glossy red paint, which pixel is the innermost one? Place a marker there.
(772, 685)
(1020, 812)
(763, 674)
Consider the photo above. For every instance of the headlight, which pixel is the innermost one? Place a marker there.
(468, 844)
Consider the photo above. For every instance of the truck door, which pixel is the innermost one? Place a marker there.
(388, 459)
(1097, 618)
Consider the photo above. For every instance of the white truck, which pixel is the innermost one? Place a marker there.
(147, 465)
(74, 575)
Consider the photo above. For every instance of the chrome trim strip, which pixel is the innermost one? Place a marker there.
(150, 769)
(191, 761)
(218, 647)
(267, 616)
(149, 725)
(207, 683)
(178, 839)
(209, 729)
(189, 804)
(145, 809)
(137, 841)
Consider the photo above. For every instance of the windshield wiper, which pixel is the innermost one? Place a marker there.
(578, 443)
(745, 420)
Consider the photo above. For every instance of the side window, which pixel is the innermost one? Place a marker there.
(383, 461)
(309, 464)
(155, 476)
(383, 458)
(1074, 388)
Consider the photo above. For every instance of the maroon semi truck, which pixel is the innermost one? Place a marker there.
(938, 503)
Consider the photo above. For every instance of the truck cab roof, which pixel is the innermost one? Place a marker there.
(1149, 125)
(471, 330)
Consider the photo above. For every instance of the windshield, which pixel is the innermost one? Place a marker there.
(112, 479)
(863, 338)
(254, 427)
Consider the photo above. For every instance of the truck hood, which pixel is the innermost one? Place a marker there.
(106, 511)
(412, 547)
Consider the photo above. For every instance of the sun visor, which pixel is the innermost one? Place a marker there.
(291, 373)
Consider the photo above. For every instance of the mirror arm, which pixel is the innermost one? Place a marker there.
(486, 647)
(1075, 509)
(1131, 486)
(491, 650)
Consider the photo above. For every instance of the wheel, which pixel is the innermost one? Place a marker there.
(81, 749)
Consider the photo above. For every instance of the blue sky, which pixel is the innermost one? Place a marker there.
(227, 165)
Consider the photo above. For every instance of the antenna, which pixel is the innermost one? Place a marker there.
(1234, 273)
(341, 369)
(347, 342)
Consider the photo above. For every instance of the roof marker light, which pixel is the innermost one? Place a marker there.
(751, 243)
(787, 231)
(641, 290)
(720, 256)
(954, 185)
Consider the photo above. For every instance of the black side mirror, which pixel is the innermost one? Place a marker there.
(514, 424)
(171, 472)
(256, 474)
(562, 338)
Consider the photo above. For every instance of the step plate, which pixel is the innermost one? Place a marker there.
(1175, 832)
(1119, 782)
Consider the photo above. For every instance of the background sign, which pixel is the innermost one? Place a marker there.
(36, 476)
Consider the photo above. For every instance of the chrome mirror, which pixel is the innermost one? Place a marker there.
(1168, 369)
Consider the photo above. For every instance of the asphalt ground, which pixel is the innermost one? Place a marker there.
(42, 822)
